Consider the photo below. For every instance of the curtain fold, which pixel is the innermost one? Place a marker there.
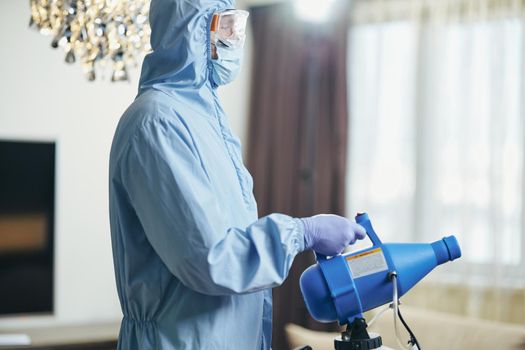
(298, 132)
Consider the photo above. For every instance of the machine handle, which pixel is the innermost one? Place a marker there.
(363, 220)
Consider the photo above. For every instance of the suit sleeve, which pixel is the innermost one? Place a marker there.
(182, 219)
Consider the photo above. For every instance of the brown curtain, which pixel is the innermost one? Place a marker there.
(298, 132)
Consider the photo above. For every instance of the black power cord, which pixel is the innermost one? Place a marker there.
(413, 339)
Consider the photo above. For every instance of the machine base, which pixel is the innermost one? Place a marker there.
(356, 337)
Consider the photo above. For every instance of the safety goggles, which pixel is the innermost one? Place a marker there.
(228, 28)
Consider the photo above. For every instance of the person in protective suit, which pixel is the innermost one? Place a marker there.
(194, 264)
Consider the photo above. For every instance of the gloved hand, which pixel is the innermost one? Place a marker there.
(330, 234)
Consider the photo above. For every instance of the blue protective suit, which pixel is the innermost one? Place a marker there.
(194, 264)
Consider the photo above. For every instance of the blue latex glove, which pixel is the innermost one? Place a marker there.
(330, 234)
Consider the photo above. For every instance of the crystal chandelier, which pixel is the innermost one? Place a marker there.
(98, 33)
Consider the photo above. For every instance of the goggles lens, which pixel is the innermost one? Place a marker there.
(228, 28)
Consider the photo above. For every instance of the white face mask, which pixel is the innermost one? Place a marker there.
(227, 65)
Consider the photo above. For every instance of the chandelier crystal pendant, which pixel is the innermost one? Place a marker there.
(98, 33)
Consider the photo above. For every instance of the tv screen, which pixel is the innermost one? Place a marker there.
(27, 202)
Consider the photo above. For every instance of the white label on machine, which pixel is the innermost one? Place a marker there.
(367, 263)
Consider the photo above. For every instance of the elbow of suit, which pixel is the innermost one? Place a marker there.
(244, 261)
(205, 278)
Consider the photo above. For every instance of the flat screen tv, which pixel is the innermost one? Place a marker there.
(27, 202)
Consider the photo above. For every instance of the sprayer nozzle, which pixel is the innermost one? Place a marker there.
(454, 251)
(446, 249)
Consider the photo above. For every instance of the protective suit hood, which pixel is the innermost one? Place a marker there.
(180, 39)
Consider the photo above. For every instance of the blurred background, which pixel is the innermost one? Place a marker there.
(410, 110)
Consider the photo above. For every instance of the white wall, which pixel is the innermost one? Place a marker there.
(42, 98)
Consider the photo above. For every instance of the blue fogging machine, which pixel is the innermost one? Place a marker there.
(342, 287)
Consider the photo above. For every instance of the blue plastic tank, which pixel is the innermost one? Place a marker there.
(343, 287)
